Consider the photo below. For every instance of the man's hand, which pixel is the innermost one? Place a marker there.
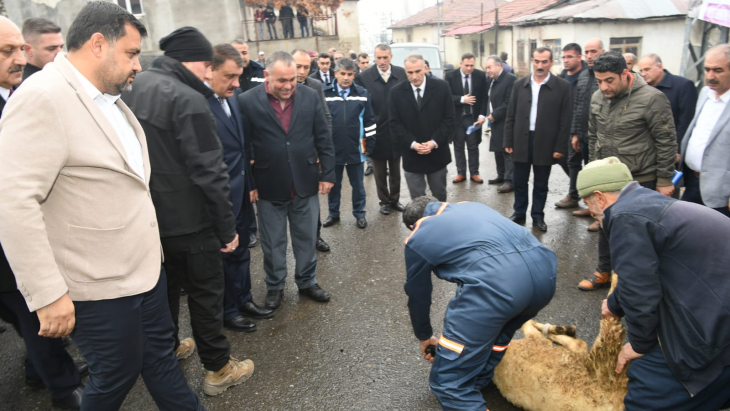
(666, 190)
(490, 118)
(424, 148)
(231, 246)
(679, 157)
(470, 100)
(606, 313)
(575, 142)
(558, 155)
(508, 150)
(480, 121)
(254, 195)
(625, 356)
(325, 187)
(425, 344)
(252, 161)
(58, 318)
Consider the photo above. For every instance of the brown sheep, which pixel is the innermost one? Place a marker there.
(551, 370)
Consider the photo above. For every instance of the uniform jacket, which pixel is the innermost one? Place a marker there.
(552, 128)
(682, 96)
(673, 285)
(478, 89)
(584, 89)
(457, 243)
(235, 153)
(387, 147)
(715, 173)
(288, 160)
(82, 221)
(500, 94)
(189, 182)
(637, 127)
(434, 120)
(252, 76)
(352, 122)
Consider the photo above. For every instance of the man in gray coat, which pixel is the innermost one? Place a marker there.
(706, 146)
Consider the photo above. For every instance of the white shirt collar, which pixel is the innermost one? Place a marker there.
(712, 95)
(5, 93)
(463, 75)
(385, 72)
(90, 89)
(422, 86)
(532, 79)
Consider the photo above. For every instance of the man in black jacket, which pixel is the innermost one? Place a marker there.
(270, 17)
(469, 92)
(253, 72)
(286, 16)
(422, 116)
(379, 80)
(536, 133)
(190, 190)
(325, 74)
(498, 95)
(672, 290)
(43, 41)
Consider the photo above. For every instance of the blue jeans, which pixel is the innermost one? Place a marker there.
(355, 174)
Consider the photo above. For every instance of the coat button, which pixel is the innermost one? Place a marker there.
(287, 143)
(153, 224)
(243, 173)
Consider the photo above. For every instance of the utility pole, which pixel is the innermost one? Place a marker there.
(440, 26)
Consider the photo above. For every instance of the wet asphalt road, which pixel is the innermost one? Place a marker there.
(358, 351)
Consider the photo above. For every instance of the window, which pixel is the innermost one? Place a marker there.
(556, 47)
(132, 6)
(626, 45)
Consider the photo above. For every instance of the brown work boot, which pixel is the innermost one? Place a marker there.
(185, 349)
(594, 227)
(233, 373)
(583, 212)
(568, 202)
(599, 280)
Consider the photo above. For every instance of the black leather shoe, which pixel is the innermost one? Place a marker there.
(517, 220)
(34, 382)
(240, 324)
(71, 401)
(330, 221)
(252, 240)
(540, 225)
(398, 207)
(322, 245)
(316, 293)
(252, 310)
(505, 188)
(385, 209)
(368, 171)
(362, 222)
(497, 180)
(273, 299)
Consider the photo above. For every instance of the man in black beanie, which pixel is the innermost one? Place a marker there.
(190, 190)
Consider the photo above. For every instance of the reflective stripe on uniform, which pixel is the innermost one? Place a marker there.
(451, 345)
(500, 348)
(415, 227)
(442, 208)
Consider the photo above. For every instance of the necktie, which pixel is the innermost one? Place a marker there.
(343, 93)
(467, 108)
(327, 79)
(419, 99)
(385, 76)
(226, 109)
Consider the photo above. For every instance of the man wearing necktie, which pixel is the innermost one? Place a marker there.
(325, 74)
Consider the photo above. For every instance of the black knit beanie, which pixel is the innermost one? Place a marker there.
(187, 44)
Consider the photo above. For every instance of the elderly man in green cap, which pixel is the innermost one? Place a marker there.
(671, 258)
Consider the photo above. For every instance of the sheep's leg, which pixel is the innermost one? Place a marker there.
(570, 343)
(555, 329)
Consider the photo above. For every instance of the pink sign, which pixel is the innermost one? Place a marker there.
(717, 13)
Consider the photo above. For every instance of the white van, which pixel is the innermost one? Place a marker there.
(430, 52)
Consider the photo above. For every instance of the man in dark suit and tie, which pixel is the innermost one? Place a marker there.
(422, 116)
(469, 92)
(226, 67)
(325, 74)
(294, 160)
(498, 95)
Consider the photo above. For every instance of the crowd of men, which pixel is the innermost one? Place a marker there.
(208, 152)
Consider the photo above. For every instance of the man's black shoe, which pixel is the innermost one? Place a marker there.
(316, 293)
(385, 209)
(240, 324)
(71, 401)
(252, 240)
(517, 220)
(498, 180)
(252, 310)
(398, 207)
(273, 299)
(362, 222)
(34, 382)
(540, 225)
(322, 245)
(505, 188)
(330, 221)
(368, 171)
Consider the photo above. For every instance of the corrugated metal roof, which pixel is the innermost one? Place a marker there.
(609, 9)
(468, 30)
(507, 12)
(454, 12)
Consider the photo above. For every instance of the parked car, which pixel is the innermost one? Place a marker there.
(429, 52)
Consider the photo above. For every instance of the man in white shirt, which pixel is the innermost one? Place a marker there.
(706, 146)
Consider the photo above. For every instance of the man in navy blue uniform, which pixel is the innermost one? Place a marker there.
(504, 276)
(353, 134)
(237, 300)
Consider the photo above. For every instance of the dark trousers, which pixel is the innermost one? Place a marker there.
(355, 174)
(539, 192)
(287, 26)
(652, 387)
(125, 337)
(236, 267)
(604, 251)
(692, 191)
(505, 166)
(303, 25)
(387, 174)
(573, 164)
(271, 25)
(194, 262)
(46, 360)
(471, 141)
(253, 227)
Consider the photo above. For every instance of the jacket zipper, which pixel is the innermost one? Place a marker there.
(685, 387)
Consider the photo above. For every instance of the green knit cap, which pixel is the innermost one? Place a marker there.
(605, 175)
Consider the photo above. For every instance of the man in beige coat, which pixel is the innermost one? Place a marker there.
(76, 218)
